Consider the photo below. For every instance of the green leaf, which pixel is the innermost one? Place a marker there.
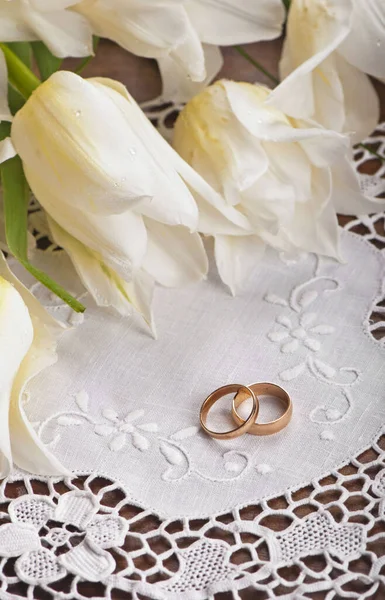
(16, 199)
(19, 75)
(15, 100)
(47, 62)
(5, 130)
(23, 51)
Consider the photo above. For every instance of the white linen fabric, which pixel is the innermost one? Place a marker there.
(158, 509)
(302, 325)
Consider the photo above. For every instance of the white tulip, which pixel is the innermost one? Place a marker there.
(326, 40)
(364, 46)
(284, 179)
(28, 337)
(119, 198)
(172, 31)
(62, 30)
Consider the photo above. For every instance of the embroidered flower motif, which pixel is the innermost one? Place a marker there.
(29, 537)
(297, 335)
(124, 429)
(300, 331)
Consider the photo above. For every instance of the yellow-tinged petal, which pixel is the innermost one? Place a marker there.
(317, 83)
(284, 177)
(75, 137)
(104, 284)
(168, 204)
(16, 335)
(27, 345)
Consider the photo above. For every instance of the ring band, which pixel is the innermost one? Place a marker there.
(260, 389)
(244, 425)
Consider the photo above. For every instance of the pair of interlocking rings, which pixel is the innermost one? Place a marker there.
(249, 425)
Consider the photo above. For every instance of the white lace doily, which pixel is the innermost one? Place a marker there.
(159, 510)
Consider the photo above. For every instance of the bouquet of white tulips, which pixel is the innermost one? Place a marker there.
(249, 166)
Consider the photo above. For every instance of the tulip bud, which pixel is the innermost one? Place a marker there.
(119, 198)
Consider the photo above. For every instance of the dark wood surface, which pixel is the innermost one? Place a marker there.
(141, 76)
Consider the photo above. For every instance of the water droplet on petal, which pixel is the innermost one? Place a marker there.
(78, 113)
(378, 43)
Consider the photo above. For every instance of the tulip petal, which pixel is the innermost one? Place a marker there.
(46, 5)
(99, 163)
(174, 256)
(149, 29)
(189, 54)
(7, 150)
(221, 219)
(289, 163)
(270, 203)
(229, 22)
(120, 239)
(364, 46)
(103, 283)
(362, 104)
(347, 196)
(64, 32)
(236, 257)
(328, 93)
(179, 88)
(312, 35)
(252, 107)
(5, 113)
(175, 205)
(232, 152)
(314, 226)
(28, 451)
(12, 24)
(16, 338)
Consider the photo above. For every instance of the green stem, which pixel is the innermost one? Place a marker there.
(256, 64)
(19, 75)
(371, 151)
(286, 4)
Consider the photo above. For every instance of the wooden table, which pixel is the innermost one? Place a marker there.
(141, 76)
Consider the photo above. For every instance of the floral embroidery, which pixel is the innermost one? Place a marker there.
(301, 332)
(295, 336)
(122, 429)
(298, 330)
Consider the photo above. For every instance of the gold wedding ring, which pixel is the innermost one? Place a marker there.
(264, 389)
(243, 392)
